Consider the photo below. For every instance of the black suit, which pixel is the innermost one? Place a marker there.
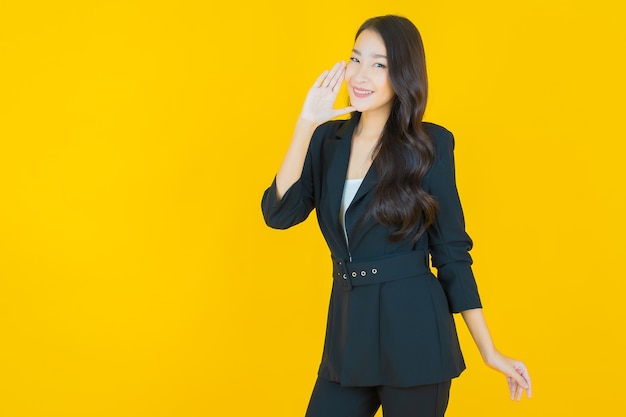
(398, 333)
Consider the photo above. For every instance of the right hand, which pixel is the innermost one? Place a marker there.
(319, 103)
(516, 374)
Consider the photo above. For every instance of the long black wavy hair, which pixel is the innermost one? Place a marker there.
(405, 152)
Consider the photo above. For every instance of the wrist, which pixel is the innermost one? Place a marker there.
(489, 355)
(306, 123)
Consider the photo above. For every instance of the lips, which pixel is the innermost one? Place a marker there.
(361, 93)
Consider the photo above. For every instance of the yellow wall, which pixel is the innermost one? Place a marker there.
(137, 277)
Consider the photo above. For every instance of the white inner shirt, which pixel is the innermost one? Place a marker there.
(349, 191)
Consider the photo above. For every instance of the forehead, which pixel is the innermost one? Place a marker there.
(369, 42)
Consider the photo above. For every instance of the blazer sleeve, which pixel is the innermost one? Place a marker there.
(448, 242)
(299, 200)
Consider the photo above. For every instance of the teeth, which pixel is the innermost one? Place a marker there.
(362, 91)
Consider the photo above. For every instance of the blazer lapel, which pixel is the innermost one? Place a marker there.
(359, 204)
(369, 181)
(338, 167)
(335, 181)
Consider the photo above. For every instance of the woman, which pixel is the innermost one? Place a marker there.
(383, 186)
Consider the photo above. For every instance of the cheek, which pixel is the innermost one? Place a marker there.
(349, 73)
(385, 84)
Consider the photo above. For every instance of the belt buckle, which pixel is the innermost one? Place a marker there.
(343, 274)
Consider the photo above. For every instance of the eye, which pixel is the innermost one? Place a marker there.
(379, 65)
(354, 59)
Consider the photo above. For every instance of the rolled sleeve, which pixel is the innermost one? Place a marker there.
(293, 208)
(299, 200)
(449, 244)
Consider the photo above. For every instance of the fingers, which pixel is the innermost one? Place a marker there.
(515, 389)
(320, 79)
(523, 372)
(335, 75)
(517, 376)
(332, 79)
(338, 74)
(519, 381)
(518, 392)
(521, 375)
(512, 386)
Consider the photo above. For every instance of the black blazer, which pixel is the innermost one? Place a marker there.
(397, 333)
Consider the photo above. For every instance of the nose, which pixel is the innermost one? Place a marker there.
(361, 74)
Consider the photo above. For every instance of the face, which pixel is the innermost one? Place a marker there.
(367, 74)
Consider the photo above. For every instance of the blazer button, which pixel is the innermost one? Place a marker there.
(353, 274)
(374, 271)
(363, 273)
(345, 276)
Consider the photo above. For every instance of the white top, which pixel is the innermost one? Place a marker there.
(349, 191)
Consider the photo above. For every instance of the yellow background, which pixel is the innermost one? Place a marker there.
(137, 277)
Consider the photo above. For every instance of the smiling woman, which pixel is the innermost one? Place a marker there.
(383, 186)
(367, 77)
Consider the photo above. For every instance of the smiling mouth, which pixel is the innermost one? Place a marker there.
(362, 93)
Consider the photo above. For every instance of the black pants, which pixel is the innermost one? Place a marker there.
(329, 399)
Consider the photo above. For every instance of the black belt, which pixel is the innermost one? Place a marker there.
(383, 269)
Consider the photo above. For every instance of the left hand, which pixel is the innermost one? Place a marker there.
(516, 374)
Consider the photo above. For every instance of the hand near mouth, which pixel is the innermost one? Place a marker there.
(319, 103)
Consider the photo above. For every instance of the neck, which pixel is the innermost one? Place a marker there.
(372, 123)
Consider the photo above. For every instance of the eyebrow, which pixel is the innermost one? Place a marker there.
(373, 55)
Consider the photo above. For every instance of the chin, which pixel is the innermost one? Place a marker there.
(360, 107)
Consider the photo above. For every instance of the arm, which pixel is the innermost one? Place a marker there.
(515, 371)
(448, 242)
(291, 167)
(450, 245)
(317, 109)
(289, 200)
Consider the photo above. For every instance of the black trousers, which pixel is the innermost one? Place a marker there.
(329, 399)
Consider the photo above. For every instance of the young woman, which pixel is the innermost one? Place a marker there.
(383, 186)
